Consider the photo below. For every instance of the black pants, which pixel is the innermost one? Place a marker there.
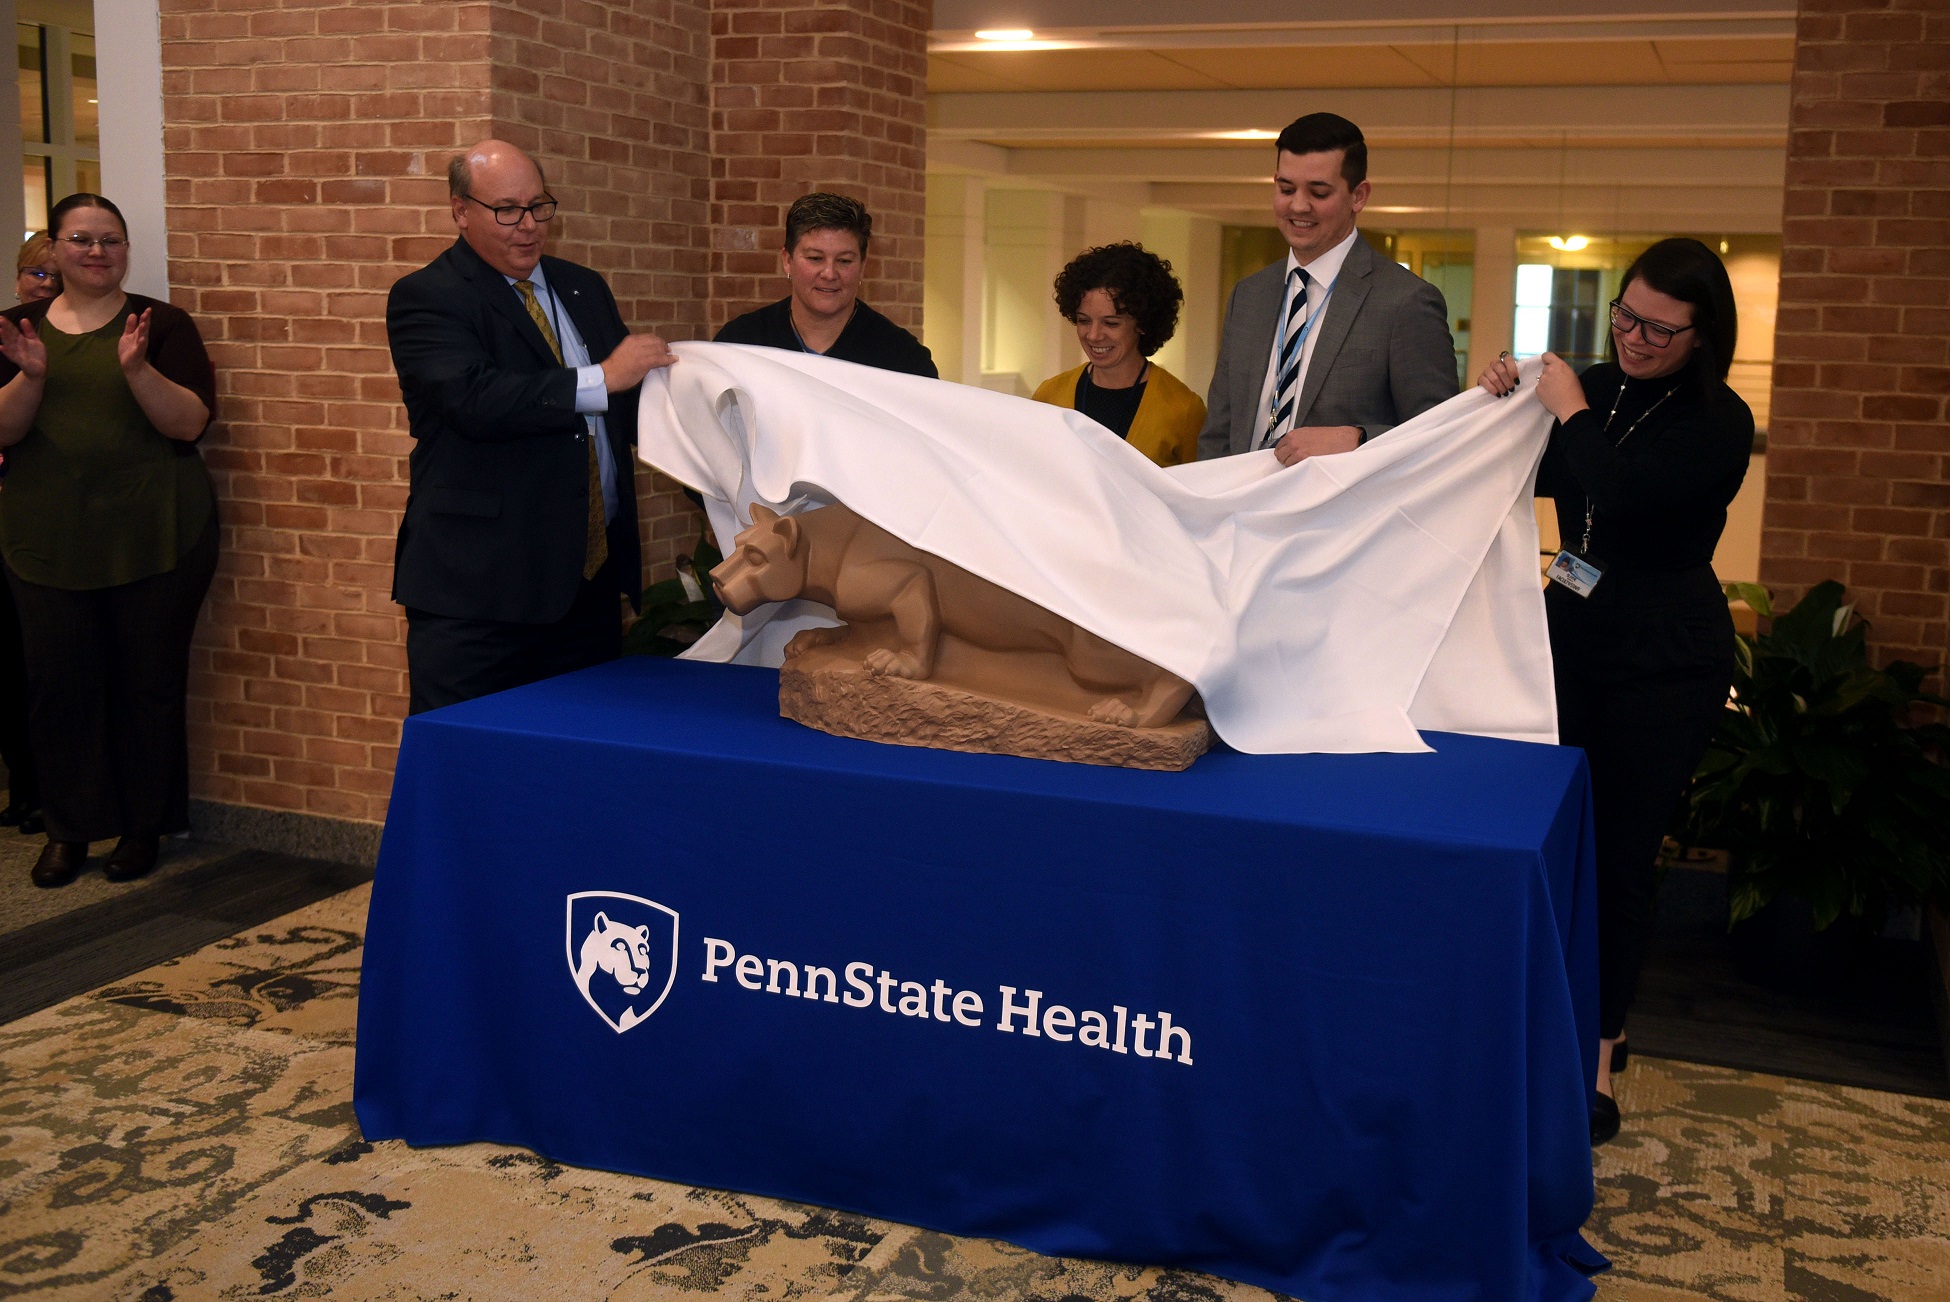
(1643, 667)
(107, 671)
(449, 660)
(16, 748)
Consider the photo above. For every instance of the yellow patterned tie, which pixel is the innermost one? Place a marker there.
(598, 545)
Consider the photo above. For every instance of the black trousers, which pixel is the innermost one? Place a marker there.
(16, 747)
(449, 660)
(107, 671)
(1643, 667)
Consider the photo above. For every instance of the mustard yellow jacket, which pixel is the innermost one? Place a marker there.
(1168, 419)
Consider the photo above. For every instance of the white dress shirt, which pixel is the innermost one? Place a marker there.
(592, 396)
(1323, 271)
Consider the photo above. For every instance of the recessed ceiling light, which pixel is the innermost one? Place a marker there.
(1007, 34)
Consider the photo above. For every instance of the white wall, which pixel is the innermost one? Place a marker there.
(128, 57)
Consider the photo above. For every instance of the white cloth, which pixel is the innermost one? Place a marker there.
(1338, 605)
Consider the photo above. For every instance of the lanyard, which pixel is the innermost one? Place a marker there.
(1584, 548)
(1299, 352)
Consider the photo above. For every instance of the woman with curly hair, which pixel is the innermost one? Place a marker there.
(1123, 300)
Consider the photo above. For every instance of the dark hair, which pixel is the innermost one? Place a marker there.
(460, 176)
(1317, 133)
(1692, 273)
(1139, 283)
(825, 211)
(82, 199)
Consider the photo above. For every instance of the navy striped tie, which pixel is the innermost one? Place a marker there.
(1286, 387)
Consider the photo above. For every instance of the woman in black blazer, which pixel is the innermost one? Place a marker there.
(1648, 450)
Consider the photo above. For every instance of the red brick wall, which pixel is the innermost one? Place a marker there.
(1858, 445)
(306, 146)
(817, 95)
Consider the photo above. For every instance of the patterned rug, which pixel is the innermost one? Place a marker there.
(188, 1134)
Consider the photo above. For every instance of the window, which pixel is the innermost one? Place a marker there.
(59, 119)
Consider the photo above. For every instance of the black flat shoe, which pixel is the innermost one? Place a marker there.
(1621, 1055)
(59, 862)
(132, 857)
(1604, 1120)
(33, 824)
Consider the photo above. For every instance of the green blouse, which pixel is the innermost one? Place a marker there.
(95, 496)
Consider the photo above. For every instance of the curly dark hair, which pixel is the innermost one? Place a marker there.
(1138, 281)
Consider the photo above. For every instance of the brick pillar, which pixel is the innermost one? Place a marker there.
(817, 95)
(1858, 447)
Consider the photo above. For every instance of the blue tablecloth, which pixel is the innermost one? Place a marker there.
(1342, 998)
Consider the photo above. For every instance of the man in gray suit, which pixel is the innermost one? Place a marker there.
(1336, 344)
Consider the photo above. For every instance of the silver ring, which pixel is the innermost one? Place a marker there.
(1502, 356)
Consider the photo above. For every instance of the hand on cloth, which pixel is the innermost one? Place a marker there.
(1296, 445)
(1557, 388)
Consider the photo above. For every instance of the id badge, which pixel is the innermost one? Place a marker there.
(1575, 572)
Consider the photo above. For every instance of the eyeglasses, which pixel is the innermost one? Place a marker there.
(510, 214)
(1625, 320)
(107, 243)
(36, 273)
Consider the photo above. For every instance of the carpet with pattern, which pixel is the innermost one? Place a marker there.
(188, 1133)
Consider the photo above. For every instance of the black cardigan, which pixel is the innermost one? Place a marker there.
(1659, 496)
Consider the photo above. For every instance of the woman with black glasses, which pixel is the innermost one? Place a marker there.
(108, 527)
(1648, 451)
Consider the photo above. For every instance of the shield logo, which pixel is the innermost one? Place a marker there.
(622, 952)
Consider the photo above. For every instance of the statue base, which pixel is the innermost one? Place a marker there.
(847, 701)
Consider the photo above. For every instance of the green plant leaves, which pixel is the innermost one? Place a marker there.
(672, 618)
(1818, 780)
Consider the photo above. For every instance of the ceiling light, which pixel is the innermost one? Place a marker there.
(1570, 245)
(1007, 34)
(1254, 134)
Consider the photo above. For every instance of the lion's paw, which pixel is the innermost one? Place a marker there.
(1112, 710)
(893, 664)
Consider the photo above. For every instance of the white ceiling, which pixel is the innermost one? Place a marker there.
(1523, 113)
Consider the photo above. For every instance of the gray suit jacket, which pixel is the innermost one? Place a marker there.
(1383, 353)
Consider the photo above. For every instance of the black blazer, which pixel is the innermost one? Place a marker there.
(497, 518)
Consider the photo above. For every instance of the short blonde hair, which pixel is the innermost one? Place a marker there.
(37, 250)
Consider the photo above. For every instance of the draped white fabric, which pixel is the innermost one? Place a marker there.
(1338, 605)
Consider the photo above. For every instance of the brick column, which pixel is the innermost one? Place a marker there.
(817, 95)
(1857, 442)
(306, 148)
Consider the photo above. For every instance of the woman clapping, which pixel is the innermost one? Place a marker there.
(109, 533)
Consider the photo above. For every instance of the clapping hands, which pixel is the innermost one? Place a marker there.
(20, 345)
(132, 349)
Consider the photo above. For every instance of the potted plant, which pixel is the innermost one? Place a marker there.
(1822, 783)
(677, 612)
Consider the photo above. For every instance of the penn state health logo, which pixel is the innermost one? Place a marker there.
(622, 954)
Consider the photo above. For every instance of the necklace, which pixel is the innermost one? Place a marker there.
(1584, 548)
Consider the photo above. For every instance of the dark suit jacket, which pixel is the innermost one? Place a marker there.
(496, 520)
(1383, 353)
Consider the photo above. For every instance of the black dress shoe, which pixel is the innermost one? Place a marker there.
(1621, 1055)
(132, 857)
(14, 812)
(33, 824)
(59, 862)
(1604, 1119)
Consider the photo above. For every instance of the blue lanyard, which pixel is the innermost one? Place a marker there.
(1299, 344)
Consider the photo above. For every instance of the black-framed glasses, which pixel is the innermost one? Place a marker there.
(1625, 320)
(108, 243)
(510, 214)
(38, 273)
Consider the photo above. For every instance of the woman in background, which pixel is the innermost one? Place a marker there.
(1124, 302)
(35, 279)
(108, 528)
(1648, 450)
